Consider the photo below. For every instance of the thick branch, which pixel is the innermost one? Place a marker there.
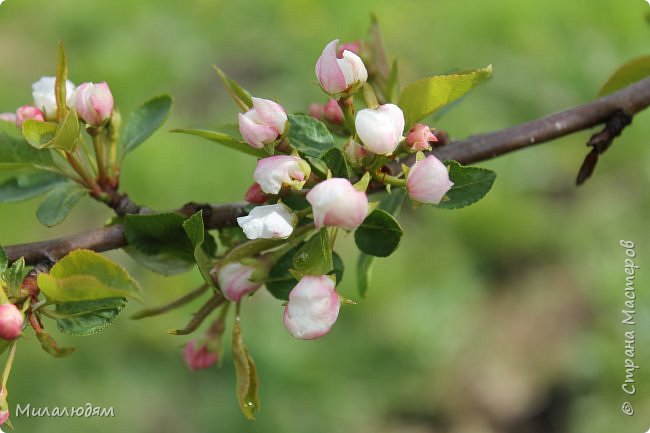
(630, 100)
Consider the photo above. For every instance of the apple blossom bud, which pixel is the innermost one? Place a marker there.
(380, 129)
(199, 358)
(93, 102)
(45, 98)
(255, 195)
(336, 202)
(8, 117)
(313, 307)
(262, 124)
(11, 321)
(275, 221)
(338, 76)
(275, 171)
(419, 137)
(4, 416)
(428, 180)
(235, 280)
(27, 112)
(316, 111)
(354, 152)
(354, 47)
(332, 112)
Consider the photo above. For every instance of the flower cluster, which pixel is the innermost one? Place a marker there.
(376, 132)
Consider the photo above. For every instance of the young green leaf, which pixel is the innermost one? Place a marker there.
(196, 233)
(247, 379)
(159, 242)
(88, 317)
(4, 261)
(309, 136)
(59, 202)
(315, 256)
(225, 140)
(144, 121)
(379, 234)
(16, 154)
(631, 72)
(14, 276)
(280, 281)
(85, 275)
(47, 135)
(423, 97)
(470, 185)
(28, 185)
(60, 83)
(240, 95)
(50, 345)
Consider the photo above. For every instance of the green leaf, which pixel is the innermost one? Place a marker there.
(4, 261)
(88, 317)
(336, 162)
(315, 256)
(280, 282)
(225, 140)
(59, 202)
(338, 267)
(50, 345)
(16, 153)
(392, 86)
(60, 83)
(379, 234)
(159, 242)
(631, 72)
(391, 203)
(470, 185)
(247, 379)
(364, 268)
(309, 136)
(28, 185)
(144, 121)
(196, 233)
(85, 275)
(14, 276)
(240, 95)
(47, 135)
(423, 97)
(230, 237)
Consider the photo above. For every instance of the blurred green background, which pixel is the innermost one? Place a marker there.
(502, 317)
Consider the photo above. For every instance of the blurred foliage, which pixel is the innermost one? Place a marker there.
(502, 317)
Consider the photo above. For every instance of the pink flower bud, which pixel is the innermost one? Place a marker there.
(316, 111)
(336, 202)
(419, 137)
(354, 47)
(380, 129)
(332, 112)
(275, 221)
(27, 112)
(428, 181)
(354, 152)
(262, 124)
(255, 195)
(8, 117)
(235, 280)
(93, 102)
(4, 416)
(275, 171)
(44, 97)
(313, 307)
(11, 322)
(340, 75)
(199, 358)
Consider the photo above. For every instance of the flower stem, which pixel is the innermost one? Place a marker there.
(100, 155)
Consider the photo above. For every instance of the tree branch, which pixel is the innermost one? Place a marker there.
(629, 100)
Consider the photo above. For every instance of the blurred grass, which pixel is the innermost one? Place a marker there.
(483, 317)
